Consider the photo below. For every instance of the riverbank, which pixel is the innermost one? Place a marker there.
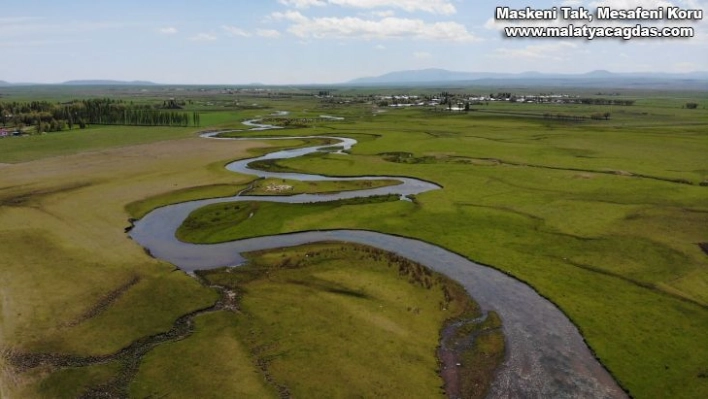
(541, 341)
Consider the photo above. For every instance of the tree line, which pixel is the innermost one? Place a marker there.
(50, 117)
(604, 101)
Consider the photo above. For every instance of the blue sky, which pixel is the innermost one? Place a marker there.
(309, 41)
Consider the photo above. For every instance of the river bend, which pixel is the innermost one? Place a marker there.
(546, 355)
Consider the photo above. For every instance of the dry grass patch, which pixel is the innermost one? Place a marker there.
(64, 247)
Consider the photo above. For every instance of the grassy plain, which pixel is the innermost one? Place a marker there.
(339, 320)
(232, 221)
(602, 217)
(209, 364)
(73, 282)
(328, 319)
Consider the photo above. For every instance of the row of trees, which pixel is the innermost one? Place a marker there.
(107, 112)
(49, 117)
(577, 118)
(604, 101)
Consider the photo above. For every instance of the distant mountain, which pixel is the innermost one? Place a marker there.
(425, 75)
(107, 83)
(600, 73)
(4, 83)
(598, 78)
(84, 83)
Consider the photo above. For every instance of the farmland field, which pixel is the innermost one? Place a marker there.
(603, 217)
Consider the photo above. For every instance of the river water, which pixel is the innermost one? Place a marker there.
(546, 357)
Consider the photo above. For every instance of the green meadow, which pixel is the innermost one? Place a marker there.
(603, 217)
(329, 320)
(571, 208)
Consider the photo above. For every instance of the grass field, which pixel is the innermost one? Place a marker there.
(228, 222)
(602, 217)
(340, 320)
(588, 206)
(64, 250)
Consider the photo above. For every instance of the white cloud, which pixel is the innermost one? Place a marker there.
(631, 4)
(302, 3)
(646, 5)
(380, 47)
(203, 37)
(422, 55)
(234, 31)
(383, 14)
(269, 33)
(352, 27)
(494, 24)
(293, 16)
(444, 7)
(168, 31)
(552, 51)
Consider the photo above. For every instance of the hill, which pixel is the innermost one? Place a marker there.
(108, 83)
(599, 78)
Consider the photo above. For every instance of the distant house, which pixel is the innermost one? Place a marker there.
(6, 133)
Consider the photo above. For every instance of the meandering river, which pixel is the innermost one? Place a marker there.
(546, 355)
